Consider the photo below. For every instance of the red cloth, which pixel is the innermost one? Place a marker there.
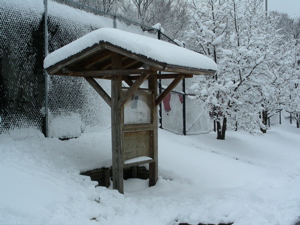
(180, 98)
(166, 102)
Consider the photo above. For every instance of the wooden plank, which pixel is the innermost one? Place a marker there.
(93, 59)
(108, 66)
(132, 89)
(159, 65)
(173, 76)
(139, 163)
(56, 69)
(116, 127)
(127, 80)
(100, 73)
(153, 166)
(146, 90)
(138, 127)
(166, 76)
(129, 62)
(140, 58)
(136, 144)
(75, 58)
(188, 70)
(99, 90)
(168, 89)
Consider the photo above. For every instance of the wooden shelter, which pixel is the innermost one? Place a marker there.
(128, 60)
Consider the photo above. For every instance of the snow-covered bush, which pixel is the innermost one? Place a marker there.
(67, 125)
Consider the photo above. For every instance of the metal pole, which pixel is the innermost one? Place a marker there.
(45, 72)
(184, 106)
(115, 21)
(159, 89)
(266, 7)
(280, 117)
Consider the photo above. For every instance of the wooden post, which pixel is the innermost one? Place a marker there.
(117, 126)
(153, 167)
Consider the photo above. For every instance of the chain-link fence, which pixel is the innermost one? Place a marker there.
(73, 104)
(181, 113)
(21, 78)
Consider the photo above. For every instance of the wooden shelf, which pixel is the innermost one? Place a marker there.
(137, 161)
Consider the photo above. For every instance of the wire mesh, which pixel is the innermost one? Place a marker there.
(22, 78)
(72, 96)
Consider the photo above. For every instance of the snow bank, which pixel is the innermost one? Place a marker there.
(67, 125)
(138, 44)
(246, 179)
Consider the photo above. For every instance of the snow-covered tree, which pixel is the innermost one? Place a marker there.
(290, 29)
(207, 33)
(254, 62)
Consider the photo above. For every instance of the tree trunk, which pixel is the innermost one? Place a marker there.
(264, 117)
(221, 130)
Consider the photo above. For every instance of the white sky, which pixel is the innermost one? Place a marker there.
(291, 7)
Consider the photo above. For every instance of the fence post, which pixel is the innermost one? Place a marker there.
(45, 72)
(183, 107)
(115, 21)
(280, 117)
(159, 89)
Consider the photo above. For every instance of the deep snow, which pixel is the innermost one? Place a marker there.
(246, 179)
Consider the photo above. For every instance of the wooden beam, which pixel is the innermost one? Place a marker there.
(73, 59)
(165, 76)
(129, 62)
(187, 70)
(117, 120)
(99, 90)
(160, 66)
(169, 88)
(128, 80)
(94, 59)
(153, 166)
(101, 73)
(138, 127)
(173, 76)
(99, 48)
(135, 66)
(138, 163)
(132, 89)
(107, 67)
(141, 58)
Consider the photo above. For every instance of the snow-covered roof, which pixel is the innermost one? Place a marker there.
(144, 49)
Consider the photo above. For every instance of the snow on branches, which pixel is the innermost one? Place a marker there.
(257, 62)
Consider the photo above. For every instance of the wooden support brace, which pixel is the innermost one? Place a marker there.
(101, 73)
(132, 89)
(128, 80)
(99, 90)
(169, 89)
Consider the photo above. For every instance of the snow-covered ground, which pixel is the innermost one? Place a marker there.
(247, 179)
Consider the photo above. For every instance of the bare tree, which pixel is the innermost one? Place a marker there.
(103, 5)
